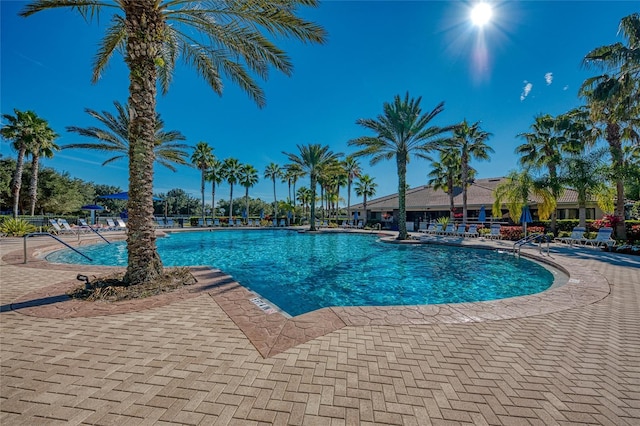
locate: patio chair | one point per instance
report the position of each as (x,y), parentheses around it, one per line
(472,232)
(423,227)
(208,222)
(360,224)
(602,238)
(449,230)
(460,230)
(65,225)
(57,229)
(216,222)
(577,236)
(495,232)
(434,229)
(282,222)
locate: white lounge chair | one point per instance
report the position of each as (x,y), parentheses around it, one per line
(602,238)
(495,232)
(57,229)
(65,225)
(449,230)
(577,236)
(123,225)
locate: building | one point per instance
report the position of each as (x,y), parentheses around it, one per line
(425,204)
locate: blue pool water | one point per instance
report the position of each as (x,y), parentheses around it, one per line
(304,272)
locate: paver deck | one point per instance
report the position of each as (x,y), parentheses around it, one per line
(569,357)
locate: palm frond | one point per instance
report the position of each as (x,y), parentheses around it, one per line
(114,40)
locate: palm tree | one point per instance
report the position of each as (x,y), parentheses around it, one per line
(471,141)
(365,188)
(215,176)
(445,174)
(273,172)
(248,178)
(516,192)
(232,172)
(612,100)
(113,138)
(293,173)
(304,196)
(24,129)
(42,146)
(353,170)
(586,175)
(202,158)
(549,138)
(221,39)
(311,159)
(400,131)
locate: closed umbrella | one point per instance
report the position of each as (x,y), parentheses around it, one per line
(525,218)
(482,216)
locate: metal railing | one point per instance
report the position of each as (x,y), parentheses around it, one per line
(540,238)
(37,234)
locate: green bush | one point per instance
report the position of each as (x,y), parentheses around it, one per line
(16,227)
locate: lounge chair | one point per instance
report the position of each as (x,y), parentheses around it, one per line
(602,238)
(422,227)
(216,222)
(449,230)
(360,224)
(169,223)
(472,232)
(200,223)
(84,225)
(282,222)
(111,225)
(238,222)
(65,225)
(577,236)
(460,230)
(57,229)
(495,232)
(208,222)
(123,225)
(434,229)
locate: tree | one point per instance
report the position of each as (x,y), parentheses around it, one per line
(113,138)
(613,100)
(400,131)
(585,174)
(202,158)
(152,34)
(304,196)
(293,173)
(471,142)
(365,188)
(273,172)
(353,170)
(248,178)
(25,129)
(517,192)
(232,171)
(445,174)
(214,175)
(42,146)
(311,159)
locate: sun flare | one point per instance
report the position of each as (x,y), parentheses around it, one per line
(481,14)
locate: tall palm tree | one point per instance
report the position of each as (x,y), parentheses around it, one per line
(304,196)
(202,158)
(42,146)
(23,129)
(293,173)
(365,187)
(400,131)
(113,138)
(311,159)
(445,174)
(586,175)
(248,178)
(353,170)
(471,142)
(518,190)
(273,172)
(549,139)
(219,39)
(232,172)
(215,176)
(613,100)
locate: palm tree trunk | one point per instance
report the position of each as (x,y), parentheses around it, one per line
(275,201)
(348,199)
(401,162)
(246,201)
(312,207)
(230,201)
(615,148)
(202,193)
(17,180)
(213,199)
(33,187)
(294,201)
(144,26)
(465,177)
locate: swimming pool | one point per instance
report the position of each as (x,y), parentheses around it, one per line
(302,272)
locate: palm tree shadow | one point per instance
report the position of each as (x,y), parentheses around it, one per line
(35,302)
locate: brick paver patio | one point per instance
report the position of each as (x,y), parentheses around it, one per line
(569,356)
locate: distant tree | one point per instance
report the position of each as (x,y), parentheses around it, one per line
(303,195)
(311,159)
(215,175)
(202,158)
(365,188)
(400,131)
(517,192)
(446,174)
(248,179)
(353,171)
(292,174)
(232,171)
(273,172)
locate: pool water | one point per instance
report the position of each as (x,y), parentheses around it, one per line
(302,272)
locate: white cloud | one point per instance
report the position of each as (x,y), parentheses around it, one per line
(548,77)
(525,90)
(565,88)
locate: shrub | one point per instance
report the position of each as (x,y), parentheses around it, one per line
(16,227)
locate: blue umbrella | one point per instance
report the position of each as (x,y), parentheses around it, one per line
(262,214)
(482,216)
(244,213)
(525,218)
(355,217)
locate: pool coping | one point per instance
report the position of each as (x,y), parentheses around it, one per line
(272,333)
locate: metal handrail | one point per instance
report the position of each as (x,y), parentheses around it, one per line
(99,235)
(36,234)
(531,238)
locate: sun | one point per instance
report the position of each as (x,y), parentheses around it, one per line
(481,14)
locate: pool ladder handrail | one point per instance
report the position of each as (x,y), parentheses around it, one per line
(529,239)
(37,234)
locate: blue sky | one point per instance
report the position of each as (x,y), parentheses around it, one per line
(527,61)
